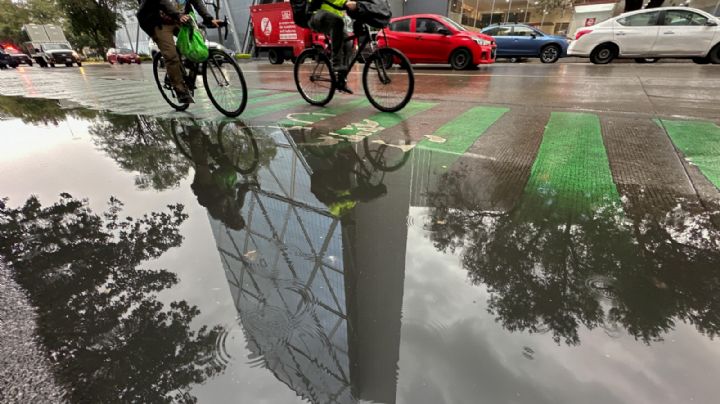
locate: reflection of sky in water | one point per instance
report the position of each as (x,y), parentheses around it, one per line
(443,311)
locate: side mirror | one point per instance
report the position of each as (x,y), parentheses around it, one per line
(444,31)
(711,23)
(533,35)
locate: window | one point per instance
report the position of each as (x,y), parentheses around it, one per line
(524,31)
(428,26)
(640,20)
(401,26)
(683,17)
(499,31)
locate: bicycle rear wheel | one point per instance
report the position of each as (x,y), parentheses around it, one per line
(225,83)
(314,77)
(388,80)
(238,145)
(165,85)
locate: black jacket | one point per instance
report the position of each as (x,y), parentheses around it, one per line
(149,12)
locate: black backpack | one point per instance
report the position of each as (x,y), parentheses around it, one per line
(375,13)
(302,11)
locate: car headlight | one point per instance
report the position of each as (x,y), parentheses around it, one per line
(482,42)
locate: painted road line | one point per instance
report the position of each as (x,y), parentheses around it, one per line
(256,112)
(257,99)
(456,136)
(571,171)
(377,123)
(700,143)
(304,119)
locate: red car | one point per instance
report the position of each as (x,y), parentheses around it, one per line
(121,56)
(432,38)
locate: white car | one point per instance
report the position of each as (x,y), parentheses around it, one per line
(667,32)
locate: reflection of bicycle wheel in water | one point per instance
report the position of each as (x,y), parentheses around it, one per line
(238,144)
(181,137)
(385,158)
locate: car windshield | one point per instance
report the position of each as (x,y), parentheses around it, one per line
(454,24)
(125,51)
(55,46)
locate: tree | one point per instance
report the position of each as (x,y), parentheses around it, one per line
(141,144)
(40,111)
(94,22)
(553,267)
(106,333)
(12,18)
(45,12)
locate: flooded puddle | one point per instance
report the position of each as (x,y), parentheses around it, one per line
(180,260)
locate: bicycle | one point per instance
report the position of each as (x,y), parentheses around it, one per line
(222,78)
(234,145)
(387,68)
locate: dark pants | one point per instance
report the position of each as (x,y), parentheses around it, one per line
(164,37)
(333,26)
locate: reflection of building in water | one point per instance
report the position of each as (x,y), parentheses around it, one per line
(298,292)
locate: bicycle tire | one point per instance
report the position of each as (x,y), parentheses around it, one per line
(400,72)
(179,141)
(167,93)
(379,163)
(317,60)
(216,60)
(244,130)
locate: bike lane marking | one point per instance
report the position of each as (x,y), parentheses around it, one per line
(456,136)
(259,111)
(700,143)
(571,172)
(358,131)
(305,119)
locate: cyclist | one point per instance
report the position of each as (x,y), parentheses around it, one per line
(161,19)
(328,19)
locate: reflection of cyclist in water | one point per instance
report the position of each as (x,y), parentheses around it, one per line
(216,186)
(338,183)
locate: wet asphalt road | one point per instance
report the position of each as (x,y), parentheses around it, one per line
(520,233)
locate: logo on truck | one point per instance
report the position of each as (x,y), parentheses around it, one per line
(266,26)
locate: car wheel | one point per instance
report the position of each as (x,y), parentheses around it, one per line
(714,55)
(79,64)
(603,54)
(30,64)
(275,57)
(550,54)
(646,60)
(701,61)
(68,64)
(52,64)
(461,59)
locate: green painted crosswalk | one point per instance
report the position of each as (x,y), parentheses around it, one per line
(258,99)
(571,171)
(458,135)
(700,143)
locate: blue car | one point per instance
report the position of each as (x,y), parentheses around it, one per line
(523,41)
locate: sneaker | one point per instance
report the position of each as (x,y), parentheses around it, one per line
(184,97)
(343,87)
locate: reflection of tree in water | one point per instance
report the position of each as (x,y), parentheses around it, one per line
(39,111)
(551,267)
(108,336)
(141,144)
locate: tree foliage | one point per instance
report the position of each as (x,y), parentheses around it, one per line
(94,22)
(105,331)
(550,269)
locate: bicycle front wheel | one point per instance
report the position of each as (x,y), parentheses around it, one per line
(162,79)
(225,83)
(314,77)
(388,80)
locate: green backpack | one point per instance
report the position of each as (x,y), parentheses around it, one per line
(191,43)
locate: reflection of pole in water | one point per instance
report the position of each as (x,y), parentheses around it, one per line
(306,305)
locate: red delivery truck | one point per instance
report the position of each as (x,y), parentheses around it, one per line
(275,32)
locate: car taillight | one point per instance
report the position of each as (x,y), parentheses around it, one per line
(581,33)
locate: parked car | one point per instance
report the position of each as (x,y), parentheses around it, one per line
(122,56)
(432,38)
(523,41)
(18,57)
(667,32)
(6,60)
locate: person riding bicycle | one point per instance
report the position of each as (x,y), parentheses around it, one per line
(161,19)
(328,19)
